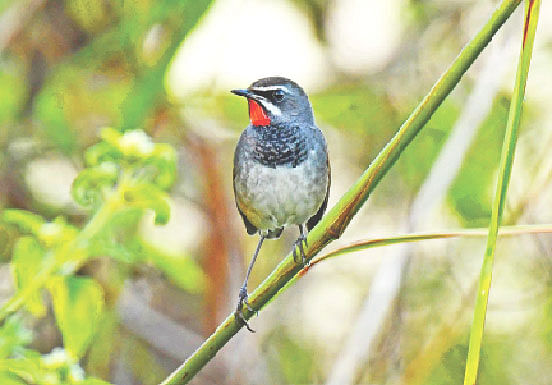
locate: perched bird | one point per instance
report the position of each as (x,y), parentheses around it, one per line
(281,167)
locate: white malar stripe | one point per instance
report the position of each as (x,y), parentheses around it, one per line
(270,107)
(270,88)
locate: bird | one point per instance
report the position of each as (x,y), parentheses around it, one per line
(282,172)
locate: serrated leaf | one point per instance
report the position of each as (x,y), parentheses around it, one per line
(26,263)
(78,303)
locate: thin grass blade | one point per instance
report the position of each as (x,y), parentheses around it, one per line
(507,157)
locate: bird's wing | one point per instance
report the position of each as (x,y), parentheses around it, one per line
(250,228)
(248,225)
(316,217)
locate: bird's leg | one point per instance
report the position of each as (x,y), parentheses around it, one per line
(300,243)
(243,291)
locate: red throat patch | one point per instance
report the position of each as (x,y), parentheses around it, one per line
(257,115)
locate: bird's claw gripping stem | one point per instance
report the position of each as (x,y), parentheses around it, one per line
(239,310)
(300,244)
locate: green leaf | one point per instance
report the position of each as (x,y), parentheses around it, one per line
(50,108)
(26,367)
(56,233)
(88,185)
(102,152)
(112,247)
(164,159)
(181,270)
(148,196)
(25,220)
(26,263)
(7,378)
(78,303)
(114,237)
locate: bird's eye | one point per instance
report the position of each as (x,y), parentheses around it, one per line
(278,95)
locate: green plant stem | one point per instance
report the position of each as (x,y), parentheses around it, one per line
(416,237)
(506,160)
(337,219)
(67,253)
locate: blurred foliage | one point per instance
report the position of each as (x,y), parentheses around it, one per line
(20,365)
(12,92)
(417,160)
(359,112)
(78,66)
(115,75)
(126,174)
(495,361)
(291,361)
(471,194)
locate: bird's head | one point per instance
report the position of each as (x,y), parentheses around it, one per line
(276,100)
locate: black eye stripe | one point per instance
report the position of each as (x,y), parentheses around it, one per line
(271,95)
(266,94)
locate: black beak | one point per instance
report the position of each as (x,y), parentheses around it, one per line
(246,93)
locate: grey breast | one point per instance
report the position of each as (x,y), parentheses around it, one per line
(280,174)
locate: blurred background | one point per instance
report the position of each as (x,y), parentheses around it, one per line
(399,314)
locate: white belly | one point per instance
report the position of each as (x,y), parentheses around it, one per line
(275,197)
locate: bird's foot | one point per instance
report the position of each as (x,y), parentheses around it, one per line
(300,244)
(239,310)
